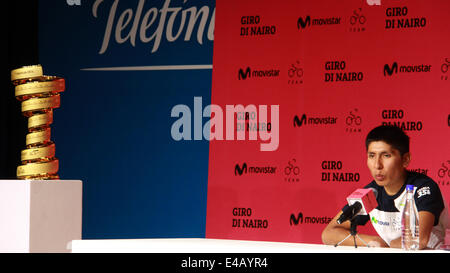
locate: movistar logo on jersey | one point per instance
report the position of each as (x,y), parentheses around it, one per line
(378,222)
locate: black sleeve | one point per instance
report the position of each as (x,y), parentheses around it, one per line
(428,197)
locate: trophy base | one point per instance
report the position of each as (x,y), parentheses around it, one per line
(39,216)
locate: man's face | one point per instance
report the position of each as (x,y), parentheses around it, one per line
(386,164)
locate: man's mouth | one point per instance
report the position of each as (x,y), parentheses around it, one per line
(379,177)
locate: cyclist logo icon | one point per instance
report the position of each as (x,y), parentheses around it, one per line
(357,17)
(444,171)
(291,172)
(291,168)
(295,73)
(357,20)
(353,119)
(353,122)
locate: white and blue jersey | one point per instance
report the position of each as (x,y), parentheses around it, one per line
(386,218)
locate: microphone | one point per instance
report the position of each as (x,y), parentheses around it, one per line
(360,202)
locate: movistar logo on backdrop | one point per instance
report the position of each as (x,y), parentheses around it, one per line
(298,122)
(307,21)
(389,70)
(395,68)
(300,219)
(149,25)
(243,74)
(238,170)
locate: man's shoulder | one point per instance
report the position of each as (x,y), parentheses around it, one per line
(425,186)
(419,180)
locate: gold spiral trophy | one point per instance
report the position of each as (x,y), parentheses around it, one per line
(39,95)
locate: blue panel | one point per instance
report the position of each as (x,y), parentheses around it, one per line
(113,130)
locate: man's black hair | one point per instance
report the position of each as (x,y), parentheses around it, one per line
(392,135)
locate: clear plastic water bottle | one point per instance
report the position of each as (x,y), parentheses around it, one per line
(410,222)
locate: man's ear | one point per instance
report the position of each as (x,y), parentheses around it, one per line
(406,158)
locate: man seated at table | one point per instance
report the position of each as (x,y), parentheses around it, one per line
(388,157)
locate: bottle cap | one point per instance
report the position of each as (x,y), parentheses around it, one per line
(409,187)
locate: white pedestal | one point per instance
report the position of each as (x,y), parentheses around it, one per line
(39,215)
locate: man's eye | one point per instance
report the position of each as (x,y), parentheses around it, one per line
(387,155)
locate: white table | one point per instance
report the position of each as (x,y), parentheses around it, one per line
(203,245)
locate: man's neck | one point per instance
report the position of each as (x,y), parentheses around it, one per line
(393,188)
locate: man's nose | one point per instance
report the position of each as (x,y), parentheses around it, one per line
(378,163)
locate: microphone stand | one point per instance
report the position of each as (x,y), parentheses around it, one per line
(353,233)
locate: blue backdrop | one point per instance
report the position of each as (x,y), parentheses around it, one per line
(113,130)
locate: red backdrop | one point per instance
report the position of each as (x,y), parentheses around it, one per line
(336,69)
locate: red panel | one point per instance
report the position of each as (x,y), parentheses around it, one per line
(289,194)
